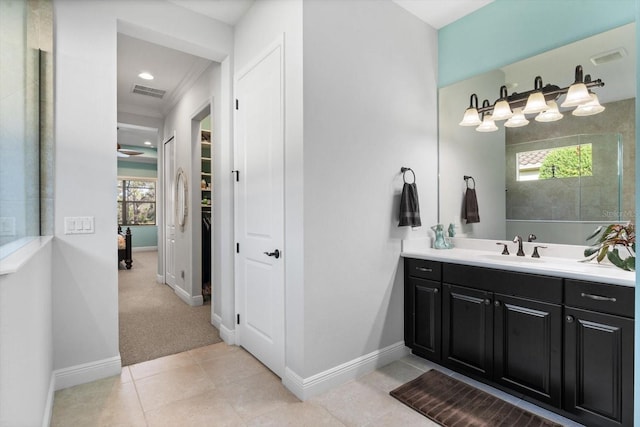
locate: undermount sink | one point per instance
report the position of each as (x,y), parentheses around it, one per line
(511,258)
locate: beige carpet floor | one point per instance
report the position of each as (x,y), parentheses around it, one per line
(154,321)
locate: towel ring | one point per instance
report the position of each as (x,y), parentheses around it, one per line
(467,178)
(404,174)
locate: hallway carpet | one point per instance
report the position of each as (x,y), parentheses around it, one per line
(154,321)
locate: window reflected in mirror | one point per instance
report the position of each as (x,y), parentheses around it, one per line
(572,161)
(571,178)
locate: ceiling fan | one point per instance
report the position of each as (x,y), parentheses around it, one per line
(125,152)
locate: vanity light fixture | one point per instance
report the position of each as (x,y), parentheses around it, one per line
(578,92)
(502,109)
(488,124)
(517,120)
(551,114)
(471,116)
(536,102)
(590,108)
(539,100)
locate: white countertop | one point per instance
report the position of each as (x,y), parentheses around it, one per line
(477,253)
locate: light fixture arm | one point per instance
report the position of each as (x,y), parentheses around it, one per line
(503,93)
(579,73)
(473,98)
(486,107)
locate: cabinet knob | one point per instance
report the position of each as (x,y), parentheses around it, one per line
(569,319)
(435,290)
(487,301)
(496,303)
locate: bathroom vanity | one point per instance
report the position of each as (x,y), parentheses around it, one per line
(553,331)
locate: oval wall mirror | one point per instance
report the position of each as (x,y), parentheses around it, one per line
(181,198)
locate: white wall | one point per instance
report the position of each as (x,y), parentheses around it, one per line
(463,151)
(85,301)
(369,108)
(26,347)
(263,23)
(187,153)
(85,294)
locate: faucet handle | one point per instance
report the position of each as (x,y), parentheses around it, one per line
(505,251)
(535,253)
(531,238)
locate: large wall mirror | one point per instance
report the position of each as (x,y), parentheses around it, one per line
(557,180)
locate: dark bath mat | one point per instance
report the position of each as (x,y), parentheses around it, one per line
(450,402)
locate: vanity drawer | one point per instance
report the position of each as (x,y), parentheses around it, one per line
(600,297)
(506,282)
(423,268)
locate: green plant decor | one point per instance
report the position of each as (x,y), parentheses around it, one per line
(608,242)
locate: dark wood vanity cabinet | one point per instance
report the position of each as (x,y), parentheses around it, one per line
(513,341)
(598,353)
(563,343)
(467,330)
(528,347)
(423,302)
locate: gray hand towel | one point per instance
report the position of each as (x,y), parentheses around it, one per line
(471,212)
(409,209)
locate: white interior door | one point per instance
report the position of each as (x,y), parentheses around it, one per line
(259,212)
(169,172)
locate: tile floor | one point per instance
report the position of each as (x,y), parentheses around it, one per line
(222,385)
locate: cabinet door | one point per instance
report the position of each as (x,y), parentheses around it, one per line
(598,368)
(467,340)
(425,325)
(528,347)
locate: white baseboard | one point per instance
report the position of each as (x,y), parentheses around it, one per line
(227,335)
(216,320)
(184,296)
(48,406)
(160,279)
(305,388)
(144,248)
(87,372)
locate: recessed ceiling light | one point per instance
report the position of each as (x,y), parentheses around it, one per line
(146,76)
(147,143)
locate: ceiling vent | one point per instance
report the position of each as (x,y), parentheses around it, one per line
(612,55)
(148,91)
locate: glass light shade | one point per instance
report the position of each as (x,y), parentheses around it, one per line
(535,103)
(471,118)
(502,111)
(517,120)
(551,115)
(590,108)
(578,94)
(488,125)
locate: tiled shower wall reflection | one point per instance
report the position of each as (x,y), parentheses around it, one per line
(583,198)
(26,119)
(595,200)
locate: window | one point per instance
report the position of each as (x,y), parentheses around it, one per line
(563,162)
(136,201)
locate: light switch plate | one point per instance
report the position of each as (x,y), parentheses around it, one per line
(78,225)
(7,226)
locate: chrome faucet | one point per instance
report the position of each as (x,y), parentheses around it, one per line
(518,240)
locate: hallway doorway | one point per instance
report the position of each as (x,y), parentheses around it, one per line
(153,321)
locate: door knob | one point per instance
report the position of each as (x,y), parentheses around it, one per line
(275,254)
